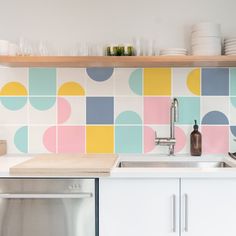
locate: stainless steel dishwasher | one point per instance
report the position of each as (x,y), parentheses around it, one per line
(48,207)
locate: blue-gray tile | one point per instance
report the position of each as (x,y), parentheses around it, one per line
(99,110)
(215,81)
(99,74)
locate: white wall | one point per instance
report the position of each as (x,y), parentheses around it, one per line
(65,22)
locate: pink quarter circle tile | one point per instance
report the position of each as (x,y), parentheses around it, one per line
(64,110)
(180,139)
(49,139)
(157,110)
(71,139)
(215,139)
(149,139)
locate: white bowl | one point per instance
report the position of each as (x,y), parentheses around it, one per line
(206,26)
(206,40)
(230,40)
(206,52)
(4,44)
(205,33)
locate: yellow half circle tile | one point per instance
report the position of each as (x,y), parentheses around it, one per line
(71,89)
(193,81)
(13,89)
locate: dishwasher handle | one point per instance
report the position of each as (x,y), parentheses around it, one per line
(45,195)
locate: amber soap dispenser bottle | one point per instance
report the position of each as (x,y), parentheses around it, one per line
(196,141)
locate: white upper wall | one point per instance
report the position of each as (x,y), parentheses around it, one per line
(65,22)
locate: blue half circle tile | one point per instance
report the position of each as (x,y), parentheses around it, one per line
(233,130)
(14,103)
(100,74)
(136,82)
(21,139)
(233,101)
(215,118)
(42,103)
(128,117)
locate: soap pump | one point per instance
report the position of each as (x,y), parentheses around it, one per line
(196,141)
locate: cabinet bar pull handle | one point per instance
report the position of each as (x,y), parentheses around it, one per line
(174,213)
(186,212)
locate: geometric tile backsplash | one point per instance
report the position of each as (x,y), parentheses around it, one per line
(106,110)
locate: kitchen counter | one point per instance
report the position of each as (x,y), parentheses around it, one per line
(8,161)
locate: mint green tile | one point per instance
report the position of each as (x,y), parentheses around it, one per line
(128,139)
(136,82)
(21,139)
(128,117)
(14,103)
(42,103)
(189,110)
(42,81)
(233,81)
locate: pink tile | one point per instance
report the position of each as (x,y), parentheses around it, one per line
(149,139)
(71,139)
(49,139)
(181,139)
(215,139)
(64,110)
(157,110)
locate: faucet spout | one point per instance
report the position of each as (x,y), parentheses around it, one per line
(170,141)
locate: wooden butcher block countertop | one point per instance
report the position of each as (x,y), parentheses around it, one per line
(66,165)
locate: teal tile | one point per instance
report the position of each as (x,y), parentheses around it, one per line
(14,103)
(42,81)
(128,139)
(189,110)
(42,103)
(21,139)
(233,81)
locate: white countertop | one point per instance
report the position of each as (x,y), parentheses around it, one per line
(10,160)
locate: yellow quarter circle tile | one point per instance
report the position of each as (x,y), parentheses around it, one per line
(157,81)
(193,81)
(100,139)
(14,89)
(71,89)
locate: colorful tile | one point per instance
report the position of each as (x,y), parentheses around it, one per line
(215,81)
(100,139)
(13,111)
(71,139)
(128,81)
(232,138)
(189,110)
(42,81)
(128,110)
(71,110)
(215,110)
(99,81)
(99,110)
(128,139)
(157,81)
(232,107)
(232,73)
(14,81)
(215,139)
(71,81)
(157,110)
(42,110)
(186,81)
(42,139)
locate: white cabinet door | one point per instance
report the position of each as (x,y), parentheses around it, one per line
(211,207)
(139,207)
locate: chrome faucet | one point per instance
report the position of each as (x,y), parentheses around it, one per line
(170,141)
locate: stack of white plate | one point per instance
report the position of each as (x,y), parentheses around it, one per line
(206,39)
(230,46)
(173,52)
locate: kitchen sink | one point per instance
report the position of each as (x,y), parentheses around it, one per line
(172,164)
